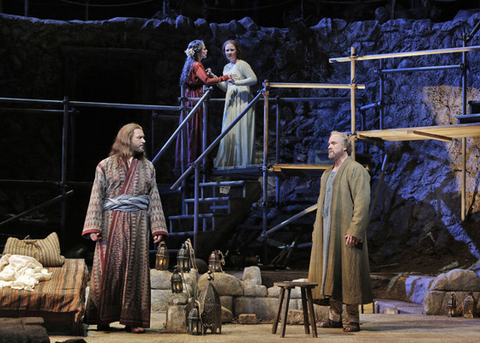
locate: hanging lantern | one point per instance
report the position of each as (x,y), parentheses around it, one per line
(183,259)
(469,306)
(162,259)
(215,261)
(177,282)
(452,305)
(194,323)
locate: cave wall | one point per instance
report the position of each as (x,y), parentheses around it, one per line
(140,60)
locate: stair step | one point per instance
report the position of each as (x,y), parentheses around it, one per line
(223,184)
(468,118)
(190,216)
(214,199)
(387,306)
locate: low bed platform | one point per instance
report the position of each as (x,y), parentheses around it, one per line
(59,301)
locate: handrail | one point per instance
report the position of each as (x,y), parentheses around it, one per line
(215,142)
(313,85)
(403,54)
(289,220)
(182,124)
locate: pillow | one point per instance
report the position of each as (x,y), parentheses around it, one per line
(46,251)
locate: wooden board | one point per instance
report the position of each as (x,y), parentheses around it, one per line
(444,133)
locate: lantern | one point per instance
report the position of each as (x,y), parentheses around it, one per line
(215,261)
(194,323)
(162,257)
(469,306)
(183,259)
(452,305)
(177,282)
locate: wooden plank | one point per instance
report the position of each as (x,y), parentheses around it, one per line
(444,132)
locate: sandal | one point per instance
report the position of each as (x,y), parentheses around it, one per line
(329,324)
(351,327)
(136,329)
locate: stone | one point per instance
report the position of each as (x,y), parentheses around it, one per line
(160,279)
(224,284)
(227,302)
(252,275)
(160,299)
(435,302)
(227,315)
(177,318)
(178,299)
(23,330)
(263,308)
(457,280)
(247,319)
(254,290)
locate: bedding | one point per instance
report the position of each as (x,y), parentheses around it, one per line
(60,300)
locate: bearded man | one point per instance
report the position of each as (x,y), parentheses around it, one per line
(339,257)
(124,209)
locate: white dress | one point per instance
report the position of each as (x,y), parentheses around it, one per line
(237,147)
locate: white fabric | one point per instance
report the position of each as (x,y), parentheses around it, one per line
(21,272)
(237,147)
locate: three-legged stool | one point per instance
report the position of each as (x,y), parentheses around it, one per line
(308,314)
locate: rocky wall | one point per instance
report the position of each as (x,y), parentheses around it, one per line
(417,211)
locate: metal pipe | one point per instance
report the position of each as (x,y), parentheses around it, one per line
(402,70)
(216,141)
(196,205)
(47,203)
(405,54)
(369,106)
(313,85)
(352,98)
(464,178)
(277,153)
(291,219)
(381,97)
(180,127)
(266,93)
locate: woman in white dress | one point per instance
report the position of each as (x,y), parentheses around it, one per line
(237,147)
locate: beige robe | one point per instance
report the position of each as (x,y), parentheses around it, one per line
(348,272)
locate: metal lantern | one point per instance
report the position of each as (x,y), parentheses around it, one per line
(215,261)
(469,306)
(194,323)
(177,282)
(183,259)
(452,305)
(162,259)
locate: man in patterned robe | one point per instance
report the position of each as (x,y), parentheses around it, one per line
(124,209)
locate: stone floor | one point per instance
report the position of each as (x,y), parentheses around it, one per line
(376,328)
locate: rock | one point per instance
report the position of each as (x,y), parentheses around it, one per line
(178,299)
(159,299)
(177,318)
(160,279)
(23,330)
(224,284)
(252,275)
(457,280)
(263,308)
(254,290)
(248,319)
(227,302)
(227,315)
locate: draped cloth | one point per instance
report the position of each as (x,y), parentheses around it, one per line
(120,280)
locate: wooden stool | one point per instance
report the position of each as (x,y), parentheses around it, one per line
(306,289)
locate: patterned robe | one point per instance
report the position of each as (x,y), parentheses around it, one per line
(120,281)
(197,77)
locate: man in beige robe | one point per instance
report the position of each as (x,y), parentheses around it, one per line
(339,257)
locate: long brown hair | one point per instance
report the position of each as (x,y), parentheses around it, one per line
(237,46)
(122,146)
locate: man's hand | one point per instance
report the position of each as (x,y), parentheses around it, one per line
(157,238)
(95,236)
(350,240)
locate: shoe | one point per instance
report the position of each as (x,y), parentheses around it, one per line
(136,329)
(103,327)
(351,327)
(329,324)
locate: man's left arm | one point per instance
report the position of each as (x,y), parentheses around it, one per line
(359,184)
(155,211)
